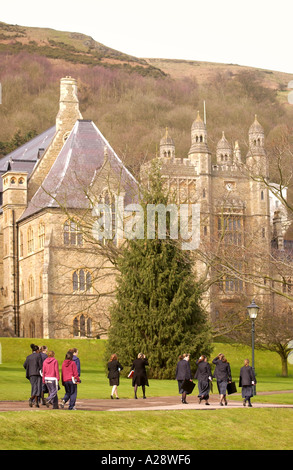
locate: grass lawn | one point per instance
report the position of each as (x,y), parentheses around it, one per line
(142,430)
(247,429)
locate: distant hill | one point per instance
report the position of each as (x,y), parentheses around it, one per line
(132,100)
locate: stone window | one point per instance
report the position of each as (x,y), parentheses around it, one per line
(21,244)
(31,287)
(32,329)
(41,284)
(82,326)
(108,216)
(81,280)
(41,235)
(30,240)
(230,229)
(71,233)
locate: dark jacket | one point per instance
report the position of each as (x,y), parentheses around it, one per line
(203,371)
(246,376)
(222,371)
(183,371)
(139,376)
(33,365)
(113,367)
(43,356)
(77,362)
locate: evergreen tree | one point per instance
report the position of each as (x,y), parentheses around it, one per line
(157,309)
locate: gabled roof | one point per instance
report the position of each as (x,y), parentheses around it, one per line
(75,169)
(24,158)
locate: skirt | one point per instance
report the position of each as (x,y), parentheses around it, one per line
(114,381)
(247,391)
(203,389)
(36,385)
(180,382)
(222,387)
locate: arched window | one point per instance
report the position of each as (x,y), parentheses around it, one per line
(30,240)
(41,235)
(41,284)
(82,326)
(21,244)
(81,280)
(71,233)
(21,292)
(32,329)
(75,280)
(31,287)
(107,217)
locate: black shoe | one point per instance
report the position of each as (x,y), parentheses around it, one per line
(144,397)
(30,402)
(111,397)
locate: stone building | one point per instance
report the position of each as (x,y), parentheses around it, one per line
(53,283)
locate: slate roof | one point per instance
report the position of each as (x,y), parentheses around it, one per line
(24,158)
(75,169)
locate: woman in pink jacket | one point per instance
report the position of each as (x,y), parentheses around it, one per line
(70,378)
(51,378)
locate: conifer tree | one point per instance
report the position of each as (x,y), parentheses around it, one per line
(157,309)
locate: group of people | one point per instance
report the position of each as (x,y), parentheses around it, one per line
(222,373)
(42,370)
(137,373)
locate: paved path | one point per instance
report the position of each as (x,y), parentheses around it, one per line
(152,403)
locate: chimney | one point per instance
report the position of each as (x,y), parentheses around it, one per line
(68,105)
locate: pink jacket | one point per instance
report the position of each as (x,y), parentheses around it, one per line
(69,370)
(50,368)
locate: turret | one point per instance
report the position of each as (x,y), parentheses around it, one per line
(167,146)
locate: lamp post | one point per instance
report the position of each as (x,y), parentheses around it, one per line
(252,310)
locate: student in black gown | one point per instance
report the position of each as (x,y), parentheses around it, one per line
(204,377)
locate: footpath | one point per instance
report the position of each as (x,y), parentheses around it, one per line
(151,403)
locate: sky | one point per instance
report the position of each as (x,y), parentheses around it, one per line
(255,33)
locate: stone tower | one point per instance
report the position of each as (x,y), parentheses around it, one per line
(167,146)
(67,116)
(14,202)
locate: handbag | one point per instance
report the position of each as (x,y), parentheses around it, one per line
(130,374)
(231,388)
(188,386)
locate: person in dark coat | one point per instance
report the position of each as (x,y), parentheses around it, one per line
(183,372)
(33,366)
(44,355)
(139,377)
(223,375)
(114,368)
(204,377)
(246,381)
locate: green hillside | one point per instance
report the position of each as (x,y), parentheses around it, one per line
(132,100)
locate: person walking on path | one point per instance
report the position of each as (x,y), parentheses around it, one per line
(204,377)
(247,381)
(139,377)
(44,355)
(223,375)
(33,367)
(76,359)
(70,379)
(114,368)
(183,372)
(51,378)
